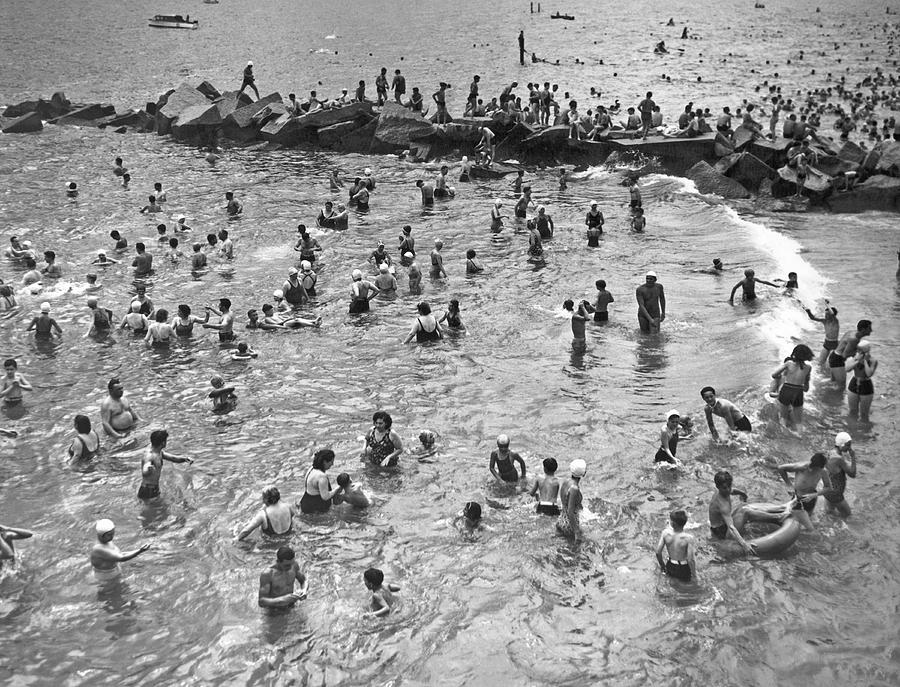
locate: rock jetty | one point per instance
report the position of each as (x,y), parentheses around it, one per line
(842,177)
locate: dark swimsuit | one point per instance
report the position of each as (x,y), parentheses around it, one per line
(547,508)
(380,449)
(720,531)
(791,395)
(293,294)
(423,334)
(835,360)
(507,470)
(267,526)
(839,484)
(678,570)
(184,329)
(453,321)
(87,454)
(311,289)
(861,386)
(808,506)
(314,503)
(661,456)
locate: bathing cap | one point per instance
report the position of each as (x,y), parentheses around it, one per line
(105,526)
(92,300)
(673,413)
(45,307)
(842,439)
(278,293)
(540,208)
(383,267)
(305,265)
(578,467)
(498,202)
(367,171)
(502,440)
(593,202)
(651,274)
(180,218)
(864,346)
(292,271)
(249,64)
(356,274)
(135,306)
(409,255)
(101,252)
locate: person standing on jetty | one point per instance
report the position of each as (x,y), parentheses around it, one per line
(249,80)
(522,48)
(651,300)
(646,109)
(440,100)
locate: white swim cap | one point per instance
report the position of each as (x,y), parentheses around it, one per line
(465,159)
(180,218)
(249,64)
(864,346)
(278,293)
(502,440)
(292,271)
(356,274)
(672,413)
(578,468)
(45,307)
(367,171)
(540,208)
(651,274)
(593,202)
(498,202)
(26,244)
(105,526)
(842,439)
(101,252)
(409,255)
(305,265)
(135,306)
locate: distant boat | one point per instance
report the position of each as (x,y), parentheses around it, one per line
(166,21)
(557,15)
(211,2)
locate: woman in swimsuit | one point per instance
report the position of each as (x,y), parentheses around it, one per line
(383,445)
(275,519)
(570,497)
(87,443)
(594,221)
(318,493)
(473,266)
(496,217)
(861,391)
(668,440)
(535,245)
(426,327)
(308,277)
(135,320)
(452,318)
(184,323)
(160,333)
(7,298)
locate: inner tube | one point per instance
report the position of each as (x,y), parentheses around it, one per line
(775,542)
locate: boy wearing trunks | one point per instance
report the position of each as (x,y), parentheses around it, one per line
(725,409)
(651,300)
(382,594)
(796,381)
(546,489)
(721,511)
(680,548)
(13,384)
(832,330)
(748,286)
(502,462)
(152,463)
(806,479)
(276,585)
(601,305)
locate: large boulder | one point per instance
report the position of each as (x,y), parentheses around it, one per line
(89,114)
(815,184)
(239,125)
(741,137)
(57,106)
(457,132)
(878,192)
(179,101)
(773,153)
(284,131)
(746,169)
(889,162)
(20,109)
(268,113)
(132,119)
(851,152)
(210,91)
(398,127)
(335,115)
(331,136)
(195,123)
(26,124)
(509,145)
(708,180)
(355,141)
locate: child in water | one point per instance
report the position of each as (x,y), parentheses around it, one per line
(382,594)
(352,492)
(243,352)
(223,397)
(680,548)
(546,489)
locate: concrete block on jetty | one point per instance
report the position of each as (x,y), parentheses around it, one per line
(678,153)
(889,160)
(708,180)
(56,106)
(323,118)
(210,91)
(398,128)
(175,103)
(878,192)
(196,123)
(746,169)
(87,115)
(24,124)
(285,131)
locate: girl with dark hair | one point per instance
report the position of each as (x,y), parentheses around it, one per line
(318,492)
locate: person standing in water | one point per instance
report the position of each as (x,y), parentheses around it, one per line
(579,318)
(680,547)
(274,519)
(106,556)
(116,413)
(502,462)
(846,349)
(725,409)
(546,489)
(748,285)
(276,584)
(839,469)
(651,300)
(861,391)
(796,381)
(152,464)
(383,444)
(569,522)
(805,486)
(721,511)
(832,330)
(668,439)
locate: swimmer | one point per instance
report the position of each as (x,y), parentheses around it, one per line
(13,383)
(159,193)
(437,261)
(594,221)
(635,195)
(383,445)
(668,439)
(832,326)
(544,223)
(473,266)
(846,349)
(804,487)
(407,243)
(502,463)
(7,536)
(7,298)
(72,189)
(382,594)
(426,327)
(465,172)
(147,308)
(44,326)
(721,511)
(274,519)
(496,217)
(335,182)
(121,242)
(570,496)
(180,224)
(86,443)
(106,556)
(233,206)
(226,245)
(341,217)
(470,516)
(563,179)
(198,258)
(143,261)
(126,179)
(452,317)
(160,333)
(271,320)
(796,381)
(680,548)
(101,318)
(602,301)
(276,585)
(51,269)
(638,221)
(546,489)
(119,169)
(152,464)
(135,320)
(839,470)
(243,352)
(579,317)
(116,413)
(427,438)
(748,286)
(861,391)
(361,292)
(32,276)
(352,493)
(380,256)
(173,253)
(426,187)
(732,415)
(385,282)
(102,260)
(414,274)
(225,326)
(651,300)
(151,207)
(441,190)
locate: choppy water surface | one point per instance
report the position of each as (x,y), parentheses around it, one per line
(516,604)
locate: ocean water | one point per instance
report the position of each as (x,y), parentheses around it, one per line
(516,604)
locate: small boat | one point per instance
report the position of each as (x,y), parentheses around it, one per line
(176,21)
(211,2)
(567,17)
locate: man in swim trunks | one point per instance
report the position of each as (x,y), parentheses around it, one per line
(839,470)
(806,480)
(152,463)
(276,585)
(748,286)
(832,330)
(579,318)
(143,261)
(845,350)
(725,409)
(721,511)
(502,462)
(680,547)
(225,326)
(116,413)
(106,556)
(651,300)
(546,489)
(646,109)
